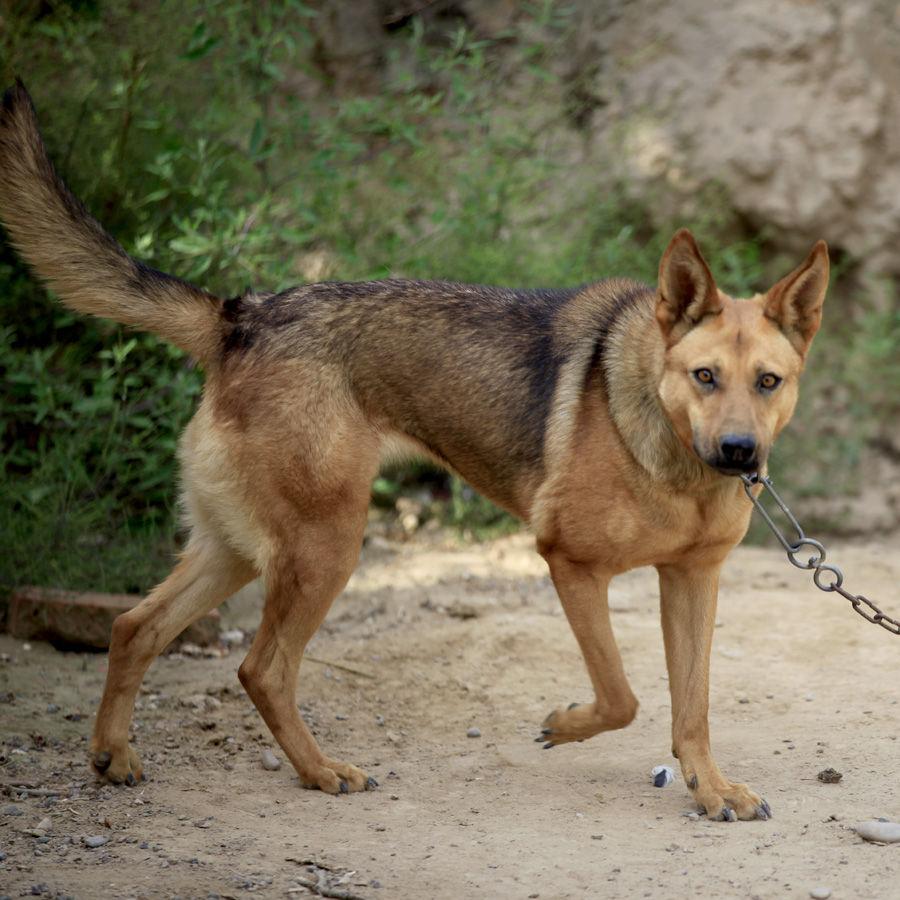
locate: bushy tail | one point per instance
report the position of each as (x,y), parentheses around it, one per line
(70,250)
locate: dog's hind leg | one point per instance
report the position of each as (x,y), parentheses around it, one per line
(312,558)
(208,573)
(688,595)
(583,593)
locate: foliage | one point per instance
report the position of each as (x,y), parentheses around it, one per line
(203,138)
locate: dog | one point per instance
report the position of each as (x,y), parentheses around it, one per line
(612,418)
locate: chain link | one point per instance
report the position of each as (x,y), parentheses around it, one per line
(827,577)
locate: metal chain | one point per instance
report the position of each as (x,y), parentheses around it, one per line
(827,577)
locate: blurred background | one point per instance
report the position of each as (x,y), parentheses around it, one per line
(241,144)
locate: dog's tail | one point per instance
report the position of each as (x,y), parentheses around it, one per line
(83,264)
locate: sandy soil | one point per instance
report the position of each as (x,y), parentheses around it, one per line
(445,638)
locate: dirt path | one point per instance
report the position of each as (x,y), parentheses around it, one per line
(455,638)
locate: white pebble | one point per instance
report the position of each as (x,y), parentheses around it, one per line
(270,762)
(234,637)
(473,732)
(663,776)
(820,893)
(882,832)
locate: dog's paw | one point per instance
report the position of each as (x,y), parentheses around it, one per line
(578,722)
(117,765)
(735,802)
(335,777)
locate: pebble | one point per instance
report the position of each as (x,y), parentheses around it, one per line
(45,824)
(270,762)
(882,832)
(94,841)
(663,776)
(473,732)
(820,893)
(52,708)
(11,809)
(829,776)
(232,638)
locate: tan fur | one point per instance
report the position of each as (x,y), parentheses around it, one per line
(587,413)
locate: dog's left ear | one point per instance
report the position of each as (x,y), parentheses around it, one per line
(687,290)
(795,302)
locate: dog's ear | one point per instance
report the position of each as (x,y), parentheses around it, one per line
(687,291)
(795,302)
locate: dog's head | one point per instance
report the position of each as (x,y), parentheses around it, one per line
(731,369)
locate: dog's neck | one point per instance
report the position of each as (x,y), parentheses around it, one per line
(633,369)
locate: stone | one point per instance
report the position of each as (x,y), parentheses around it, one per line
(473,732)
(95,841)
(775,78)
(83,619)
(270,762)
(879,832)
(820,893)
(829,776)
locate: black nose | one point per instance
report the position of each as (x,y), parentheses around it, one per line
(738,451)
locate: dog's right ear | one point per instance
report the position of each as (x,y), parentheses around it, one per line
(687,291)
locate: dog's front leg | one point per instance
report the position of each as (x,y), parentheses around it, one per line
(583,593)
(688,597)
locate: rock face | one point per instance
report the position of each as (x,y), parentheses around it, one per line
(789,104)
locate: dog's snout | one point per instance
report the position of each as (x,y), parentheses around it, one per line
(738,451)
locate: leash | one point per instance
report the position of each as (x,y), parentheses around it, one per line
(827,577)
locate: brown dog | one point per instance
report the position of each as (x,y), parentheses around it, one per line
(613,418)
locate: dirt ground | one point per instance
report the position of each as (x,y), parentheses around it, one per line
(442,638)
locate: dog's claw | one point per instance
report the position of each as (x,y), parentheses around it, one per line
(727,815)
(764,811)
(371,783)
(572,705)
(549,745)
(345,788)
(102,760)
(539,740)
(546,731)
(130,780)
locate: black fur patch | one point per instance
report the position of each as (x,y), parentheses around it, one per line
(624,300)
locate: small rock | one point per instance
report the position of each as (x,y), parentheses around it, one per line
(880,832)
(270,762)
(379,721)
(94,841)
(473,732)
(663,776)
(820,893)
(11,809)
(232,638)
(829,776)
(52,708)
(44,825)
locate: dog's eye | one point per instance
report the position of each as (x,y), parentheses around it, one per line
(769,381)
(704,376)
